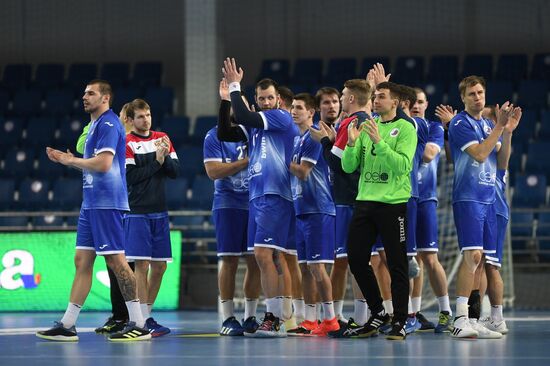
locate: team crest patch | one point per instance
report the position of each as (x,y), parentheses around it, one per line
(487,129)
(394,132)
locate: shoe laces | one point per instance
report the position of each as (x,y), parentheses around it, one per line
(267,324)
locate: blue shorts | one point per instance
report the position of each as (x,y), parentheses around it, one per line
(269,222)
(426,227)
(412,211)
(100,230)
(343,218)
(231,231)
(147,237)
(496,259)
(315,238)
(377,247)
(475,226)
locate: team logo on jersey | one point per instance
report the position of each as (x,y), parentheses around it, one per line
(487,178)
(257,167)
(88,179)
(109,124)
(376,177)
(394,132)
(487,129)
(298,190)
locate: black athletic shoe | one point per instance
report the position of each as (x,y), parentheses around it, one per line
(347,330)
(397,332)
(111,326)
(372,325)
(59,333)
(425,324)
(131,333)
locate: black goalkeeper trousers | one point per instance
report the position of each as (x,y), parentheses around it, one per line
(369,220)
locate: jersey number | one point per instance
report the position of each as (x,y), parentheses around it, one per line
(242,152)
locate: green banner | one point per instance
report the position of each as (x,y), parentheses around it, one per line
(37,271)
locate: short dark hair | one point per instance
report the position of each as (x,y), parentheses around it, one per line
(286,95)
(134,105)
(470,81)
(360,89)
(266,83)
(420,90)
(308,100)
(325,90)
(407,94)
(392,87)
(104,89)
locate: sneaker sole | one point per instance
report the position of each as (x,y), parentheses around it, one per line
(264,334)
(160,334)
(395,338)
(146,337)
(58,338)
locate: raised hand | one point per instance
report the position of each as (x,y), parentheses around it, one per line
(379,74)
(317,134)
(371,128)
(445,113)
(58,156)
(370,79)
(231,73)
(353,131)
(329,130)
(224,90)
(503,113)
(513,120)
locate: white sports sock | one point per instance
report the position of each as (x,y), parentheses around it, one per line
(287,308)
(416,301)
(145,311)
(228,309)
(339,308)
(388,306)
(311,312)
(319,308)
(444,304)
(299,310)
(361,311)
(409,306)
(250,306)
(274,305)
(71,314)
(328,310)
(461,306)
(150,308)
(134,312)
(496,313)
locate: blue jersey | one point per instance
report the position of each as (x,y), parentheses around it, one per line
(501,206)
(314,195)
(270,154)
(232,191)
(427,172)
(422,133)
(473,181)
(106,190)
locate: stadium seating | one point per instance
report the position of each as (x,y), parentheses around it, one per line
(521,226)
(541,67)
(17,76)
(79,75)
(339,70)
(59,103)
(49,76)
(177,128)
(176,193)
(18,163)
(40,132)
(481,65)
(11,129)
(161,100)
(67,194)
(409,70)
(7,191)
(147,74)
(529,191)
(33,194)
(511,67)
(4,101)
(203,124)
(123,96)
(116,73)
(443,69)
(537,163)
(27,103)
(544,131)
(16,222)
(202,193)
(191,161)
(533,94)
(499,91)
(44,222)
(308,71)
(368,63)
(276,69)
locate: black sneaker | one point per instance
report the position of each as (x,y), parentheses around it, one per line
(373,325)
(59,333)
(111,326)
(425,324)
(347,330)
(131,333)
(397,332)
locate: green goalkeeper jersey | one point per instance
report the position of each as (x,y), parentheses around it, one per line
(386,166)
(82,139)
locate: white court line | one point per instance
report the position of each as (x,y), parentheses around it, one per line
(23,331)
(274,356)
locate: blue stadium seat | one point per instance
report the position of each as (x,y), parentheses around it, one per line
(47,169)
(123,96)
(79,75)
(339,70)
(33,194)
(276,69)
(544,131)
(67,194)
(147,74)
(27,103)
(526,128)
(203,124)
(529,191)
(176,193)
(499,92)
(17,222)
(515,165)
(11,129)
(541,67)
(521,228)
(192,226)
(18,163)
(512,67)
(7,190)
(409,70)
(533,94)
(17,76)
(453,97)
(435,90)
(46,221)
(177,128)
(71,221)
(69,131)
(480,65)
(202,193)
(368,63)
(49,76)
(308,71)
(4,101)
(40,131)
(191,161)
(536,163)
(443,69)
(116,73)
(59,103)
(161,101)
(543,236)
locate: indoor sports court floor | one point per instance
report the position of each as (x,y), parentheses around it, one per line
(193,341)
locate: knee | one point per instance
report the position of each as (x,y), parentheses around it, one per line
(472,259)
(317,270)
(82,263)
(230,262)
(429,260)
(158,268)
(263,256)
(141,266)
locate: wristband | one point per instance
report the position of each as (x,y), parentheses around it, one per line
(234,86)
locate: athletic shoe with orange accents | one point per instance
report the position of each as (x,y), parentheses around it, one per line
(327,325)
(303,329)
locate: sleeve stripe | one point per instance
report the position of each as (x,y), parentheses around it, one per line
(266,125)
(337,151)
(173,155)
(245,132)
(468,144)
(213,159)
(130,161)
(312,161)
(112,151)
(434,144)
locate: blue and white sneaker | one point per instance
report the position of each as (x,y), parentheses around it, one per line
(250,325)
(231,327)
(412,325)
(155,328)
(445,323)
(59,333)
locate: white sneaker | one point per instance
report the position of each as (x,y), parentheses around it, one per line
(494,325)
(463,329)
(483,332)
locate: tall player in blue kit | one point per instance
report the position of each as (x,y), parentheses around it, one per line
(100,230)
(474,143)
(271,137)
